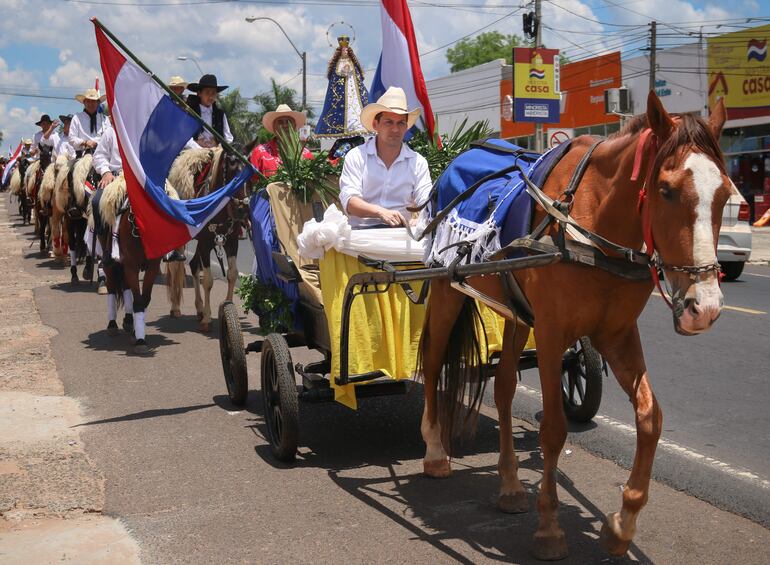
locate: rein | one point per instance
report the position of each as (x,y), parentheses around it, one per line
(648,142)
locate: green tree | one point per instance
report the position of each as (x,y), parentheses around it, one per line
(244,124)
(485,47)
(1,138)
(271,99)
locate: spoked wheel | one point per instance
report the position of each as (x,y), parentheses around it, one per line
(581,381)
(233,354)
(279,390)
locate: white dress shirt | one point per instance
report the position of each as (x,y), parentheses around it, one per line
(207,113)
(80,129)
(406,183)
(63,147)
(107,155)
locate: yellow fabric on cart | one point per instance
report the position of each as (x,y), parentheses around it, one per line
(384,328)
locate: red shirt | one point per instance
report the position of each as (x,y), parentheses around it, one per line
(266,159)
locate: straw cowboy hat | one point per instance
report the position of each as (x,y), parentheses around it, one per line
(206,81)
(90,94)
(177,81)
(283,110)
(27,142)
(394,100)
(45,118)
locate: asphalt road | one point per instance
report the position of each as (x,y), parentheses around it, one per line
(193,479)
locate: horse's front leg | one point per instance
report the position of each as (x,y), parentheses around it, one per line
(443,309)
(549,542)
(624,354)
(208,284)
(513,497)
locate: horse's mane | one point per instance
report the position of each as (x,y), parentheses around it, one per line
(185,168)
(690,131)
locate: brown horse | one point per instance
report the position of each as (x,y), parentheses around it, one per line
(34,182)
(681,211)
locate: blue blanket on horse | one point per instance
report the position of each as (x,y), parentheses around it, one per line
(500,210)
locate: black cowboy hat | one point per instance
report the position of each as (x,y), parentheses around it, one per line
(63,118)
(44,118)
(206,81)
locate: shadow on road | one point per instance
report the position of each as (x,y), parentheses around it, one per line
(186,323)
(144,414)
(124,343)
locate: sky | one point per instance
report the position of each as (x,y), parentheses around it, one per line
(48,52)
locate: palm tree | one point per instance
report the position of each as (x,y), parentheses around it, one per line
(244,124)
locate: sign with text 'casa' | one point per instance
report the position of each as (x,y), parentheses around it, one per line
(535,85)
(739,72)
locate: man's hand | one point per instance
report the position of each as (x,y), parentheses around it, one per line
(107,178)
(91,144)
(390,217)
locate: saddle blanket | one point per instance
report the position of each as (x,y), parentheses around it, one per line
(500,209)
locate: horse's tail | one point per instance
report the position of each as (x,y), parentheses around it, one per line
(462,383)
(175,275)
(118,281)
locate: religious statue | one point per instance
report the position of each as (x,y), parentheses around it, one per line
(346,96)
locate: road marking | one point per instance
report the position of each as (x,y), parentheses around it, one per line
(734,308)
(673,447)
(757,275)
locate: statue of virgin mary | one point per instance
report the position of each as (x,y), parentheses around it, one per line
(346,96)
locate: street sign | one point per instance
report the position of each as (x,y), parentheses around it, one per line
(555,136)
(535,85)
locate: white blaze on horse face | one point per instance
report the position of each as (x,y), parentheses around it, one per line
(708,297)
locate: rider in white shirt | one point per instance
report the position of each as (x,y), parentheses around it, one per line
(88,126)
(107,161)
(204,103)
(46,136)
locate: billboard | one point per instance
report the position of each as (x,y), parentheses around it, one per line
(739,72)
(535,85)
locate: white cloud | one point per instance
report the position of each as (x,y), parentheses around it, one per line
(75,75)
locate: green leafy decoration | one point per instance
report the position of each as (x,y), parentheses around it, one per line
(268,302)
(305,177)
(452,144)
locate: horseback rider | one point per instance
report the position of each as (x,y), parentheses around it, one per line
(384,176)
(63,145)
(46,136)
(178,85)
(88,126)
(203,101)
(26,149)
(266,157)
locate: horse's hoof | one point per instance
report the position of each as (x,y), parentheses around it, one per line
(515,503)
(204,326)
(610,541)
(128,323)
(176,313)
(437,469)
(112,328)
(140,347)
(551,547)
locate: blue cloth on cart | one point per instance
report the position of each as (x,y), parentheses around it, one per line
(500,210)
(265,241)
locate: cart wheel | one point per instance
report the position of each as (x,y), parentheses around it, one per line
(279,390)
(232,353)
(581,381)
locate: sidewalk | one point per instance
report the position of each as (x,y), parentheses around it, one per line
(51,494)
(760,245)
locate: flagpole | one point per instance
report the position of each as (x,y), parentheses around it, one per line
(174,96)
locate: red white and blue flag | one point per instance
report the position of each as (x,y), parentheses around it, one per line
(151,130)
(9,165)
(400,61)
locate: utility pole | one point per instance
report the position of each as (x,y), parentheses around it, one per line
(538,43)
(653,49)
(304,81)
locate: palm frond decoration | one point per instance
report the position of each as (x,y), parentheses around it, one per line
(452,144)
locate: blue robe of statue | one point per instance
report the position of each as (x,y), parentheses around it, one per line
(346,96)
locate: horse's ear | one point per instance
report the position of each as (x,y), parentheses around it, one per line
(717,118)
(660,122)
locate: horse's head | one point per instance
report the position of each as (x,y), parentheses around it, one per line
(231,167)
(46,154)
(686,190)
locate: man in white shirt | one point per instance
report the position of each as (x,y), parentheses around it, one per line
(204,103)
(62,145)
(88,126)
(107,161)
(384,176)
(47,134)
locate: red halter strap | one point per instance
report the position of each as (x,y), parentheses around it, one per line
(649,141)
